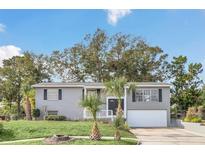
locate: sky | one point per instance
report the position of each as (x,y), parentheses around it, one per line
(177,32)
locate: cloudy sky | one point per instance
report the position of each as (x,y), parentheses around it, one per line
(42,31)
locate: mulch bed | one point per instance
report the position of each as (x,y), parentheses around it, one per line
(57,139)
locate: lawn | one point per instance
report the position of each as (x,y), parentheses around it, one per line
(16,130)
(81,142)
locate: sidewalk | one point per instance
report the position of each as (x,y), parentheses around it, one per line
(83,137)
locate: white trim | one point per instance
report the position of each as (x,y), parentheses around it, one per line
(150,86)
(125,102)
(114,97)
(57,86)
(94,87)
(101,86)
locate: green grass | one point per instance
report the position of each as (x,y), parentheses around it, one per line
(81,142)
(16,130)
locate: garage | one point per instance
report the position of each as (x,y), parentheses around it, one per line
(147,118)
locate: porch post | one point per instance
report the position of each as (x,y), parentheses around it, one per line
(85,92)
(125,102)
(84,110)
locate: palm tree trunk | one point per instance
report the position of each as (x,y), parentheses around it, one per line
(117,135)
(119,109)
(95,133)
(28,109)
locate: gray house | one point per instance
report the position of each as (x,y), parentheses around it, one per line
(146,106)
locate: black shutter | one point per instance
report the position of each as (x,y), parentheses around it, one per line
(133,96)
(45,94)
(160,95)
(59,94)
(83,94)
(98,92)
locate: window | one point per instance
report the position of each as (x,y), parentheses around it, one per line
(52,112)
(59,94)
(154,95)
(45,94)
(113,104)
(148,95)
(52,94)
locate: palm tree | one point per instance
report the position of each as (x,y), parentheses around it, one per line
(118,124)
(26,91)
(93,103)
(116,87)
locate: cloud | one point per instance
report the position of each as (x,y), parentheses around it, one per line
(2,27)
(8,51)
(114,15)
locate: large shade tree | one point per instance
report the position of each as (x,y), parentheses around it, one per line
(100,57)
(186,83)
(17,71)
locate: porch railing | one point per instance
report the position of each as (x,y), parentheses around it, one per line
(102,114)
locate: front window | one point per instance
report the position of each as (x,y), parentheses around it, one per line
(52,94)
(155,95)
(147,95)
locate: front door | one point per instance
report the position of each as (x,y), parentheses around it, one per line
(113,104)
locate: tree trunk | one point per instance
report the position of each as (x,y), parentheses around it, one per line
(119,109)
(95,133)
(28,109)
(19,107)
(117,135)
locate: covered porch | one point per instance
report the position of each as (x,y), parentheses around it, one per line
(110,103)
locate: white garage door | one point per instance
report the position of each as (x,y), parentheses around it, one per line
(147,118)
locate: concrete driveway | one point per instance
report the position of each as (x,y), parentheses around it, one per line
(167,136)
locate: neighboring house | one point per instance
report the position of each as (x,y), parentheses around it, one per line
(146,106)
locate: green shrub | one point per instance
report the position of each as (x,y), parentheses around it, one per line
(119,122)
(1,128)
(126,127)
(174,111)
(55,117)
(36,113)
(14,117)
(194,119)
(187,119)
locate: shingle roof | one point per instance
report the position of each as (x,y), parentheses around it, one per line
(93,84)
